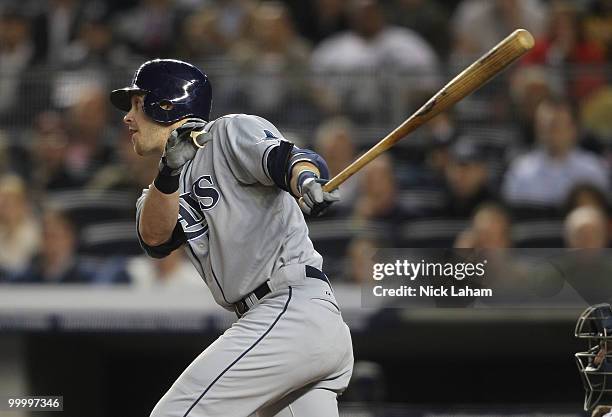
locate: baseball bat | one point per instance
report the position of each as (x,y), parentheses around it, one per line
(469,80)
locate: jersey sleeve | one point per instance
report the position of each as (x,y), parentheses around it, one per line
(161,251)
(246,147)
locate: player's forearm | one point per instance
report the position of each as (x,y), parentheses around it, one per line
(158,217)
(297,170)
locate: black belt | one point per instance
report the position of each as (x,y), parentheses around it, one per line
(264,289)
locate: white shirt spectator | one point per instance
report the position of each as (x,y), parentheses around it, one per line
(18,248)
(145,274)
(478,24)
(537,178)
(393,47)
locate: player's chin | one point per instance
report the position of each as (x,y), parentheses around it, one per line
(140,149)
(146,149)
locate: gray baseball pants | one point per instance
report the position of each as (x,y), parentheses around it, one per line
(290,355)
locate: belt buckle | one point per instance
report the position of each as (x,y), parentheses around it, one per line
(241,308)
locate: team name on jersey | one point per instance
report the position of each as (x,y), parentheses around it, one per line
(202,197)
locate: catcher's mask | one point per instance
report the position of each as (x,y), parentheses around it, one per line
(595,365)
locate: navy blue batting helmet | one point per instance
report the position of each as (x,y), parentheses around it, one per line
(173,90)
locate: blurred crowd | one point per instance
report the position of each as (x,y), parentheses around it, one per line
(524,162)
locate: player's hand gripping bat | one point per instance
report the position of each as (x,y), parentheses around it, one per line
(472,78)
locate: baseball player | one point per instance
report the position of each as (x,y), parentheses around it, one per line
(595,365)
(226,191)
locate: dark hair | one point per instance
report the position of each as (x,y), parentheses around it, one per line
(495,206)
(600,197)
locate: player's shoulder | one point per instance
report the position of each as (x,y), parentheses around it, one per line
(239,119)
(236,126)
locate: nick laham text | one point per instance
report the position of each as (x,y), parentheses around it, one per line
(431,291)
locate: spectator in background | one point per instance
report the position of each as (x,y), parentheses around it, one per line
(378,204)
(173,271)
(360,260)
(233,16)
(529,85)
(489,237)
(201,36)
(489,229)
(439,135)
(598,24)
(55,27)
(89,137)
(334,142)
(545,176)
(564,47)
(428,18)
(16,56)
(212,30)
(130,172)
(587,195)
(19,230)
(149,28)
(586,228)
(370,46)
(586,268)
(48,155)
(477,25)
(320,19)
(516,281)
(57,260)
(467,178)
(94,47)
(273,59)
(595,119)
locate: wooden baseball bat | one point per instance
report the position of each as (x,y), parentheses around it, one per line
(472,78)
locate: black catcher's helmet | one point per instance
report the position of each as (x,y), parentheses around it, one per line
(173,90)
(595,365)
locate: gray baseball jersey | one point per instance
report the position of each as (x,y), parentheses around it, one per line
(240,228)
(291,353)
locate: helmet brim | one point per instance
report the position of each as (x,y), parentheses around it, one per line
(122,97)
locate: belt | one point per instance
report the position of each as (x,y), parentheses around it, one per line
(264,289)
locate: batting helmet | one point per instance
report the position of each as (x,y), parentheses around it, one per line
(595,365)
(173,90)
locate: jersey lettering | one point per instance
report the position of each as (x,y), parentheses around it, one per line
(207,194)
(203,196)
(191,218)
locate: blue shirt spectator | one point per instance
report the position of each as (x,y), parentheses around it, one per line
(546,175)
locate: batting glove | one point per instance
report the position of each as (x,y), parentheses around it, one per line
(314,200)
(180,147)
